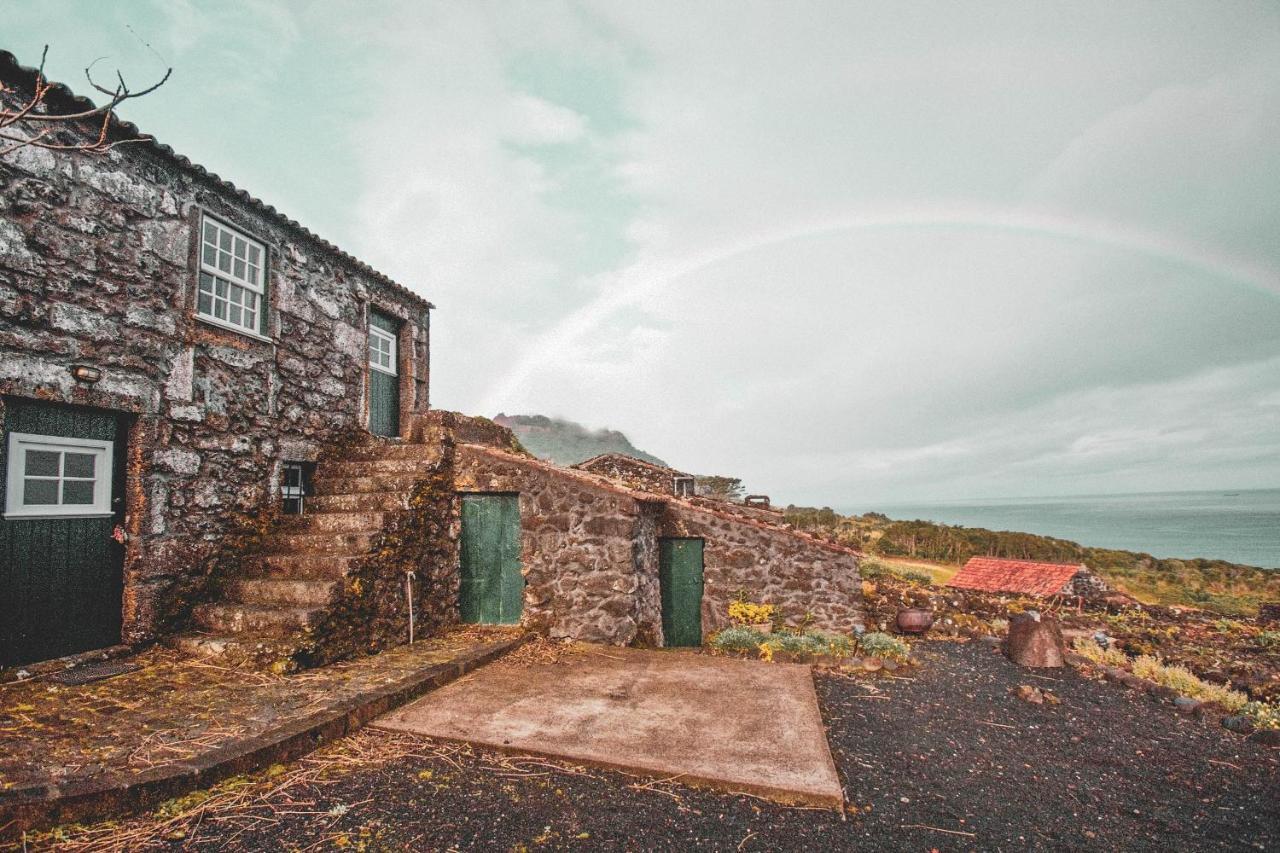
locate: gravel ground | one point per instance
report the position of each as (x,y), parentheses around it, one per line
(945,760)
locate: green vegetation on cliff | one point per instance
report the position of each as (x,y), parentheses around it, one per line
(567,443)
(1211,584)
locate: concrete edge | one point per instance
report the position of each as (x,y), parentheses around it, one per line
(114,794)
(782,796)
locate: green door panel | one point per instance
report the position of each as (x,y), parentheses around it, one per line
(492,590)
(680,579)
(61,579)
(384,388)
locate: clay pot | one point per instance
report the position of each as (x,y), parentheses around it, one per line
(762,628)
(914,620)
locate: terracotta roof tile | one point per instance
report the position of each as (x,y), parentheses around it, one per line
(1021,576)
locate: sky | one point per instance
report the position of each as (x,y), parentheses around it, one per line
(852,252)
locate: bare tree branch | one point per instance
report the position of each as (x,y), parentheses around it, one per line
(32,113)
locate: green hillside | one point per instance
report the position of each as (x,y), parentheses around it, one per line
(1210,584)
(567,443)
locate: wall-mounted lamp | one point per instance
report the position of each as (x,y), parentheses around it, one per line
(85,373)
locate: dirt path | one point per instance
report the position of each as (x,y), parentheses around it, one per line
(946,760)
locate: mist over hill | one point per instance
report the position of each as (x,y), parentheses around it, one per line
(565,442)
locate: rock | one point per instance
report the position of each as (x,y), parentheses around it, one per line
(1027,693)
(1187,705)
(1051,698)
(891,665)
(988,640)
(872,664)
(1114,673)
(1035,641)
(1239,724)
(1266,737)
(1160,693)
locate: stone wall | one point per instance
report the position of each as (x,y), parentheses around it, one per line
(587,549)
(796,573)
(98,259)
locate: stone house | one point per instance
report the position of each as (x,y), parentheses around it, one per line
(216,432)
(171,350)
(640,474)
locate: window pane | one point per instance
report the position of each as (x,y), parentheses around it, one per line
(78,492)
(250,320)
(224,240)
(206,282)
(78,465)
(206,303)
(252,275)
(221,287)
(220,309)
(239,268)
(39,492)
(235,314)
(253,254)
(42,463)
(224,262)
(210,233)
(210,254)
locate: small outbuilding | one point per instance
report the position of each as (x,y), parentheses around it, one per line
(1026,577)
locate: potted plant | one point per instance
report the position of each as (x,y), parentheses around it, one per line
(757,617)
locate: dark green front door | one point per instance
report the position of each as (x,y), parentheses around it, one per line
(680,578)
(384,378)
(60,569)
(492,585)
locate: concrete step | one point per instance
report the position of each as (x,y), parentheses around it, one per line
(359,502)
(315,521)
(325,484)
(255,619)
(411,451)
(335,544)
(299,566)
(370,467)
(280,592)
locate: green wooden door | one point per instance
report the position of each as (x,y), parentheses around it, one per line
(61,573)
(384,379)
(680,578)
(492,584)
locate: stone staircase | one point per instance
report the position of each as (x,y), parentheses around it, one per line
(298,590)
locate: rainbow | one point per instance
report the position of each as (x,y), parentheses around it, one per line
(642,280)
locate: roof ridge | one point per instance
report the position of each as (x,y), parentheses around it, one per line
(11,69)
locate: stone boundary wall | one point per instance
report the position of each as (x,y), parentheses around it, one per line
(633,473)
(796,573)
(98,261)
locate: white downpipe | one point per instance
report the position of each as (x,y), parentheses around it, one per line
(408,594)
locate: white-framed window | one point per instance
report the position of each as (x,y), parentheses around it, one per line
(232,272)
(382,350)
(55,477)
(683,487)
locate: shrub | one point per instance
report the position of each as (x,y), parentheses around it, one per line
(912,576)
(796,644)
(873,569)
(1269,639)
(881,645)
(1096,653)
(1184,681)
(837,645)
(737,639)
(1264,715)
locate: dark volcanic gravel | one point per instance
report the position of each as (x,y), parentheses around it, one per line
(948,749)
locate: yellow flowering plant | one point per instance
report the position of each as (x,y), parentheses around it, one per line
(747,613)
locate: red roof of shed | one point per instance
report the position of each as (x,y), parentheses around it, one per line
(1021,576)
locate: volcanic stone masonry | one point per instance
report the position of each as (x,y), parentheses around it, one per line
(98,267)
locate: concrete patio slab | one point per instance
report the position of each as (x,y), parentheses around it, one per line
(734,725)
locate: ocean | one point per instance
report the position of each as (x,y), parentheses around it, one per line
(1237,526)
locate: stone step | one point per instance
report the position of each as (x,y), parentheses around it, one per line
(316,521)
(255,619)
(412,451)
(360,502)
(324,484)
(371,467)
(299,566)
(334,544)
(280,592)
(210,645)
